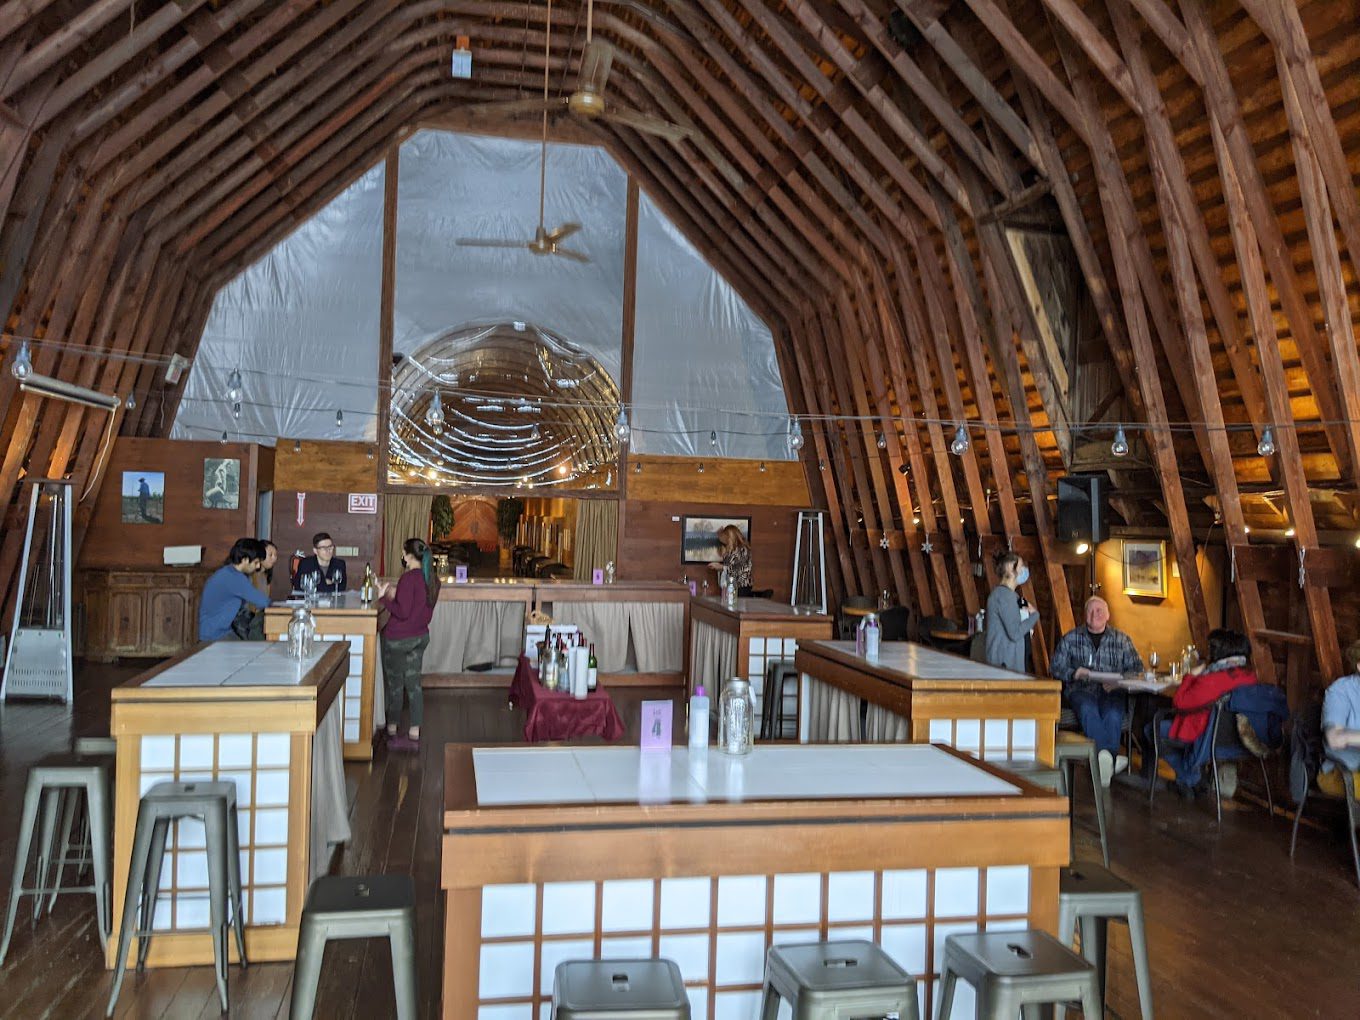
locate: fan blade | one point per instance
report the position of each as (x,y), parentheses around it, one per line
(488,242)
(563,232)
(595,63)
(647,125)
(568,253)
(515,107)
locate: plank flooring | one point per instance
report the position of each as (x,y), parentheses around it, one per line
(1236,929)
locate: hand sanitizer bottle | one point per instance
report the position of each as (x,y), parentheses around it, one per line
(698,718)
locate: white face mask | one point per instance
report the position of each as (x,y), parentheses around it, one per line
(1022,575)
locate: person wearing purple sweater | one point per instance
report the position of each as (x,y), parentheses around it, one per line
(410,605)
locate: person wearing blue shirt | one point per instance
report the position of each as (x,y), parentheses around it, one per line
(229,590)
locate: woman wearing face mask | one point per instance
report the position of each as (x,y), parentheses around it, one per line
(1007,624)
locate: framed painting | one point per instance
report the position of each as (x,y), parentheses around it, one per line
(221,483)
(143,497)
(1145,569)
(699,537)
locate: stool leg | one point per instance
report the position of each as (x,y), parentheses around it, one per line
(403,944)
(151,886)
(946,1004)
(32,795)
(1142,972)
(769,1003)
(215,829)
(307,970)
(97,821)
(238,911)
(69,802)
(141,846)
(1067,921)
(50,802)
(1092,1001)
(1092,766)
(1094,933)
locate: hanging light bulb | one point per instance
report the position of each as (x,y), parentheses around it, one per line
(535,434)
(339,418)
(131,402)
(622,431)
(795,435)
(236,410)
(234,390)
(224,437)
(637,467)
(297,445)
(959,446)
(434,414)
(23,362)
(370,453)
(437,428)
(1266,447)
(1120,446)
(762,465)
(1083,548)
(701,467)
(713,439)
(821,465)
(882,441)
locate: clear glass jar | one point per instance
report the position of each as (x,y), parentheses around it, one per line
(301,633)
(736,718)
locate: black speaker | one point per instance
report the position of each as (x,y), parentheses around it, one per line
(1081,508)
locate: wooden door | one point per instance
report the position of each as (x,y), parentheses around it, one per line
(126,622)
(170,626)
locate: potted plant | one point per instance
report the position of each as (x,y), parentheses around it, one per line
(508,513)
(441,517)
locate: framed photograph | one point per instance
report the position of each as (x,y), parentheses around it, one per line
(699,537)
(221,483)
(143,497)
(1145,569)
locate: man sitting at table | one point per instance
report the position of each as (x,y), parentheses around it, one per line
(325,566)
(1088,660)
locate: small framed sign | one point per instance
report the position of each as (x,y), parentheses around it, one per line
(597,576)
(656,725)
(363,502)
(460,574)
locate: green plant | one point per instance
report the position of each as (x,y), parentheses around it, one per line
(441,517)
(508,513)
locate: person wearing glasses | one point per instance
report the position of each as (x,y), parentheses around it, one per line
(325,566)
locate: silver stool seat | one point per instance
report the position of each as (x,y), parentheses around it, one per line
(215,804)
(1034,772)
(357,907)
(1013,969)
(829,980)
(1094,896)
(1072,750)
(52,785)
(605,989)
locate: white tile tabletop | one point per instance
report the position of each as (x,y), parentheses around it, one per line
(598,775)
(918,661)
(240,664)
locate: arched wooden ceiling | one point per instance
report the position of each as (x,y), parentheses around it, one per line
(858,170)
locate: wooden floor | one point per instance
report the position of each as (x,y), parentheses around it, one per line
(1236,928)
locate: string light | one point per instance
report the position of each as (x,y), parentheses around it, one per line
(713,439)
(1266,447)
(701,467)
(882,441)
(234,389)
(131,402)
(339,418)
(622,431)
(236,410)
(1288,532)
(960,444)
(434,415)
(22,367)
(637,467)
(795,435)
(1083,548)
(762,466)
(297,445)
(223,440)
(1120,446)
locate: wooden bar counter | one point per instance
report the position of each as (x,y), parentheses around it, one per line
(923,695)
(742,639)
(344,617)
(555,853)
(243,712)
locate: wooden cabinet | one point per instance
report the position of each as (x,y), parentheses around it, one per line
(145,613)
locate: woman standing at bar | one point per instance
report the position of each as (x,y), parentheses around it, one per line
(1007,625)
(410,605)
(736,558)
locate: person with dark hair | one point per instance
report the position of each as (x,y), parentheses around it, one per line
(1341,723)
(228,595)
(1007,625)
(264,577)
(410,606)
(324,565)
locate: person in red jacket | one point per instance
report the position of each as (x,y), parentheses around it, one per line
(410,606)
(1229,666)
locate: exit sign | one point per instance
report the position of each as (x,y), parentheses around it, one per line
(363,502)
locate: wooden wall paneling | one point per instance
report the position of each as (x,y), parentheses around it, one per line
(39,187)
(1169,175)
(325,466)
(725,480)
(872,301)
(1114,199)
(73,32)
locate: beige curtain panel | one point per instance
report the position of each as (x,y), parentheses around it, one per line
(605,624)
(712,658)
(833,714)
(884,727)
(403,517)
(330,811)
(597,538)
(464,634)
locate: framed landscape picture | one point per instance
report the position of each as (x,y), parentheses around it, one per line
(699,537)
(143,497)
(1145,569)
(221,483)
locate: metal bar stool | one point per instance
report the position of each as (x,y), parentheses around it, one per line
(632,989)
(1071,750)
(77,846)
(1013,969)
(215,804)
(773,718)
(357,907)
(47,782)
(1094,896)
(829,980)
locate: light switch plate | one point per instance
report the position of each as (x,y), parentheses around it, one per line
(675,520)
(347,550)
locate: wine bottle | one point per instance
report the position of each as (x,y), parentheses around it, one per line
(592,670)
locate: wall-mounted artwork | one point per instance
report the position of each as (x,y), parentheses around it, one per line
(221,483)
(143,499)
(699,537)
(1145,569)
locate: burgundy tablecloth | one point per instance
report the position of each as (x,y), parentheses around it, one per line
(556,715)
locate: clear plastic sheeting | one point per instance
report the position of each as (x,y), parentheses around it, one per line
(702,361)
(301,327)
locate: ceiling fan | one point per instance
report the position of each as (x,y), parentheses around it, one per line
(588,100)
(544,242)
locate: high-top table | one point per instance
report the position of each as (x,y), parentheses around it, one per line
(244,712)
(919,694)
(344,617)
(555,853)
(740,640)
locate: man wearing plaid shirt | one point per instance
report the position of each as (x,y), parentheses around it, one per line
(1087,659)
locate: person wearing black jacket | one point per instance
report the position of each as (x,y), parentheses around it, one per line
(328,568)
